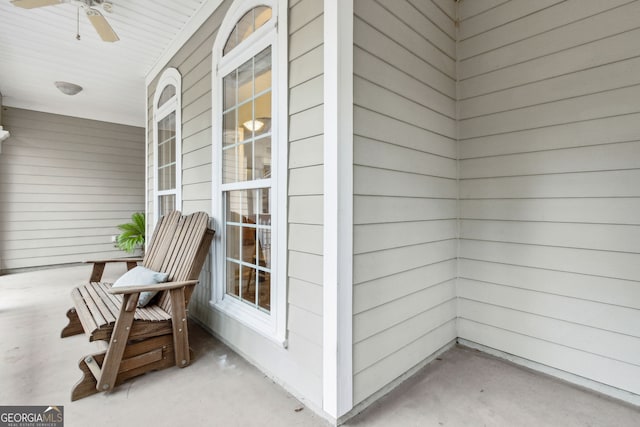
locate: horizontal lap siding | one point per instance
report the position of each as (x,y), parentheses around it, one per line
(305,192)
(549,104)
(65,185)
(405,187)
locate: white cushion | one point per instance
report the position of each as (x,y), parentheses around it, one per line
(140,276)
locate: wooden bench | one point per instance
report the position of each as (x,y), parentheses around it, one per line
(141,339)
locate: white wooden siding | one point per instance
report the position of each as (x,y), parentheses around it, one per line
(549,165)
(298,367)
(65,184)
(305,246)
(405,188)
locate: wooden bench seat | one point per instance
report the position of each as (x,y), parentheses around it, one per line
(148,338)
(98,310)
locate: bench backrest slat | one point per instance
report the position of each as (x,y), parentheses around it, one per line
(179,246)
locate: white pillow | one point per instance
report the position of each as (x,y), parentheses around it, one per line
(139,276)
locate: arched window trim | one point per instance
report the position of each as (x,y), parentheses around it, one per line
(272,326)
(169,77)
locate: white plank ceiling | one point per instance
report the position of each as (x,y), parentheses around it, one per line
(39,47)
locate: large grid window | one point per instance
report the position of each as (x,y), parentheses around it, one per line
(248,282)
(246,174)
(167,151)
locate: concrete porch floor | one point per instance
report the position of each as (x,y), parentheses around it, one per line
(463,388)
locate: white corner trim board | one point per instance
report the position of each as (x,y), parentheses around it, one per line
(338,209)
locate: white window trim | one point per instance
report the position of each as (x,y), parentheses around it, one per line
(273,325)
(170,77)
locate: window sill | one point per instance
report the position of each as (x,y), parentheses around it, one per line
(259,322)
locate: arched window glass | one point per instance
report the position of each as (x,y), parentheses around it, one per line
(250,22)
(167,93)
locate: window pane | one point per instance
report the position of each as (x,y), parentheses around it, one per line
(165,134)
(231,42)
(245,81)
(229,161)
(163,154)
(172,176)
(264,290)
(262,158)
(229,83)
(263,106)
(167,124)
(245,117)
(263,70)
(249,245)
(238,206)
(172,150)
(261,15)
(233,278)
(162,177)
(245,161)
(167,177)
(166,152)
(250,216)
(249,284)
(166,204)
(167,129)
(264,247)
(264,230)
(264,207)
(233,242)
(167,93)
(230,128)
(245,26)
(238,163)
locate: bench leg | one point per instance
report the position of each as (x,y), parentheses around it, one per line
(153,354)
(74,327)
(87,384)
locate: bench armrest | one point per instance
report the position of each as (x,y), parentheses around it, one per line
(157,287)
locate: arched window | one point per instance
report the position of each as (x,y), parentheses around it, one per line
(245,163)
(167,141)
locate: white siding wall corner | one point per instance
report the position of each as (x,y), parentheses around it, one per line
(405,172)
(549,99)
(65,185)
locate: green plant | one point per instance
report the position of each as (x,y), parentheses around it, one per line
(133,233)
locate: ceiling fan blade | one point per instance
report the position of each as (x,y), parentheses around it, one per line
(32,4)
(101,25)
